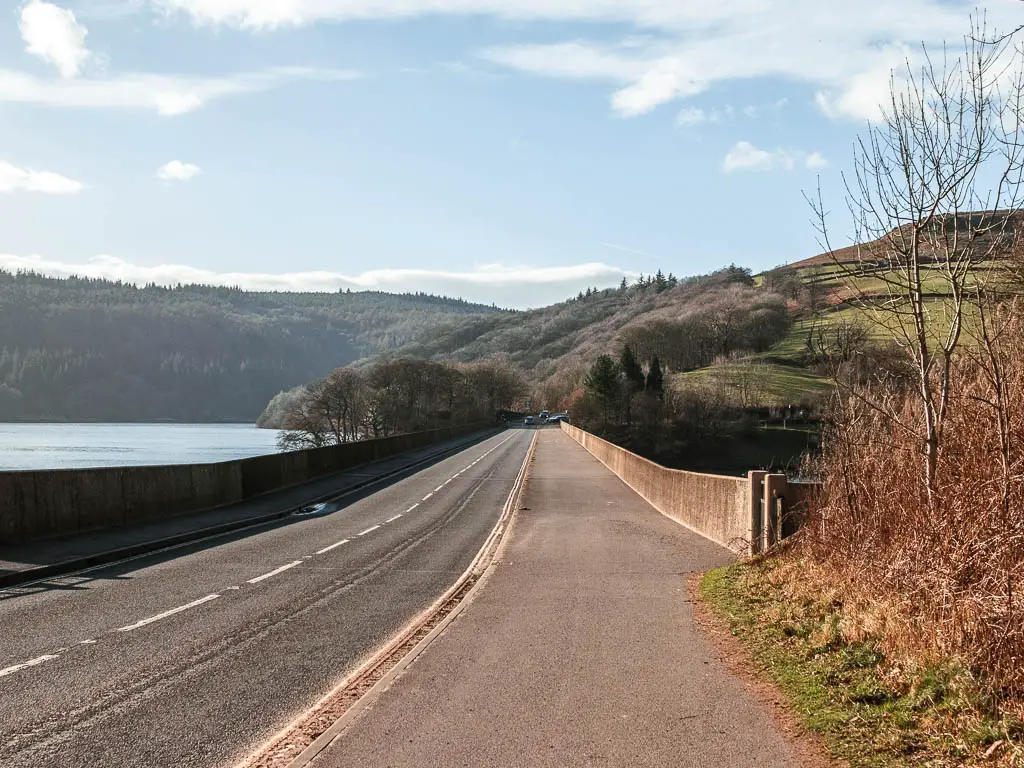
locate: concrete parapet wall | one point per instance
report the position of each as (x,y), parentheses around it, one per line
(41,504)
(716,506)
(748,515)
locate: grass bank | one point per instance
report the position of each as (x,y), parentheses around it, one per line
(869,710)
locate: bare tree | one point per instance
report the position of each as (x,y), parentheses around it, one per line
(934,197)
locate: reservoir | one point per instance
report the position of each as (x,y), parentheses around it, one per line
(77,446)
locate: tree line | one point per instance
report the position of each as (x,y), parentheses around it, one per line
(393,397)
(96,350)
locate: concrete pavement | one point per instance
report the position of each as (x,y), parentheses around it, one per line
(580,650)
(196,656)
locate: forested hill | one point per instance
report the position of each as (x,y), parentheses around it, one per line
(93,350)
(687,323)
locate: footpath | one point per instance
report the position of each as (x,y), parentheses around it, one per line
(43,559)
(581,650)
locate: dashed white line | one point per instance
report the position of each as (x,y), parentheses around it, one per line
(87,642)
(335,545)
(410,509)
(368,530)
(392,519)
(274,572)
(27,664)
(440,487)
(165,614)
(427,496)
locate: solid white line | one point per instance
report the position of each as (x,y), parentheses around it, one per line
(368,530)
(392,519)
(427,496)
(165,614)
(333,546)
(26,665)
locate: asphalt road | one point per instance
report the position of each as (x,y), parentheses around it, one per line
(195,657)
(581,650)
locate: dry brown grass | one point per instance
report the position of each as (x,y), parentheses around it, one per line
(939,579)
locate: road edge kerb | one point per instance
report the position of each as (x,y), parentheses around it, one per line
(30,576)
(482,565)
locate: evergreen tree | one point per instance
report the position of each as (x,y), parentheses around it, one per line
(623,286)
(660,283)
(673,281)
(631,370)
(655,378)
(603,383)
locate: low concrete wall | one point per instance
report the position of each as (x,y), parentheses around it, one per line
(42,504)
(746,514)
(716,506)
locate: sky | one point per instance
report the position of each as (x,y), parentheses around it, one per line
(505,152)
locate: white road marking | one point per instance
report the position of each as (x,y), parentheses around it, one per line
(333,546)
(440,487)
(86,642)
(165,614)
(427,496)
(274,572)
(410,509)
(368,530)
(234,588)
(392,519)
(26,665)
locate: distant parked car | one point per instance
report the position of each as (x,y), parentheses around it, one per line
(528,420)
(543,415)
(557,417)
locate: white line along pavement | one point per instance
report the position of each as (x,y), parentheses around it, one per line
(335,545)
(392,519)
(165,614)
(274,572)
(27,664)
(425,498)
(368,530)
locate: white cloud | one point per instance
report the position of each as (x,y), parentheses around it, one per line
(691,116)
(572,60)
(14,179)
(744,156)
(178,171)
(164,94)
(672,49)
(815,161)
(511,286)
(54,35)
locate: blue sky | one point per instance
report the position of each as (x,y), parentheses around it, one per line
(505,152)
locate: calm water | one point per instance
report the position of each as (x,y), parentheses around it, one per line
(66,446)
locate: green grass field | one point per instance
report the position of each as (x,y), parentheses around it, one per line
(764,384)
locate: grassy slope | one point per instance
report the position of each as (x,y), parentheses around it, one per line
(869,712)
(777,384)
(785,380)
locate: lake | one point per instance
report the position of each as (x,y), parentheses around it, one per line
(74,446)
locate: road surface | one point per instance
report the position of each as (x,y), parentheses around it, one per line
(195,657)
(581,649)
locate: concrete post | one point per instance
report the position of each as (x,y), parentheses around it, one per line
(756,479)
(774,497)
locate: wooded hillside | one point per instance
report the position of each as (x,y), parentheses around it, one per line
(94,350)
